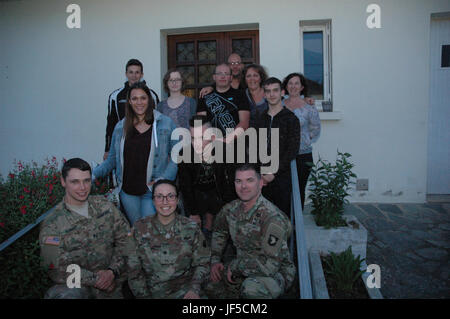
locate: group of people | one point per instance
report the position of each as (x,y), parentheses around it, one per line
(178,218)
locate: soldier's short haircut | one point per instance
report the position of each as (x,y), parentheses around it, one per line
(79,163)
(163,181)
(202,118)
(249,167)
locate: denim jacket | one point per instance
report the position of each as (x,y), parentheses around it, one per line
(160,164)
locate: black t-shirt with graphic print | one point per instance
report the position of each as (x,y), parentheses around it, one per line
(222,109)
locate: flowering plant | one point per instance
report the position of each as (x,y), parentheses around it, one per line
(28,191)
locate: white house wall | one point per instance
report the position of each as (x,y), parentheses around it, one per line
(54,81)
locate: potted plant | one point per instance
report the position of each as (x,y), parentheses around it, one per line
(327,228)
(340,276)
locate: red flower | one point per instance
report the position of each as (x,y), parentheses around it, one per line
(11,176)
(45,176)
(51,199)
(2,225)
(33,173)
(21,197)
(55,177)
(26,190)
(50,187)
(51,266)
(97,182)
(31,205)
(23,209)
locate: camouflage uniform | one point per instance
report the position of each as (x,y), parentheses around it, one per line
(170,259)
(96,243)
(262,267)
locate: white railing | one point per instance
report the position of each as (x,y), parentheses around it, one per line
(299,230)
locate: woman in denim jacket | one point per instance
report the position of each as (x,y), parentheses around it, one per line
(140,153)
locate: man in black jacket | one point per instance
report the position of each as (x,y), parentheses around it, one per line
(134,71)
(277,185)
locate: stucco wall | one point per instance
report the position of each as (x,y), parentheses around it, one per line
(54,81)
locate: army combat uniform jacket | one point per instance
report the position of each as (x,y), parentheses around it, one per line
(96,243)
(260,237)
(171,259)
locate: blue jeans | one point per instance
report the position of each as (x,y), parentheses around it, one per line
(137,207)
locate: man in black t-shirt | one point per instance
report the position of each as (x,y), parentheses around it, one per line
(228,110)
(225,107)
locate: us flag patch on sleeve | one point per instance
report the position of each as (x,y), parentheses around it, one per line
(52,240)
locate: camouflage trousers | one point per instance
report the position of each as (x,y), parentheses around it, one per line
(252,287)
(179,294)
(63,292)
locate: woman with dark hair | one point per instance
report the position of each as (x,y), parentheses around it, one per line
(172,257)
(140,153)
(295,85)
(254,76)
(178,107)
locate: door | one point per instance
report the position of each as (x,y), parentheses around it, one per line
(439,113)
(196,55)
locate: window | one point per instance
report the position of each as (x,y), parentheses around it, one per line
(315,40)
(196,55)
(445,56)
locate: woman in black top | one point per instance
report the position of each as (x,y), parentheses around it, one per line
(140,152)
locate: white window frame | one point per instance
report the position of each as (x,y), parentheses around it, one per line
(325,27)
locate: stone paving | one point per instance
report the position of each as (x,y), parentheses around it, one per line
(411,243)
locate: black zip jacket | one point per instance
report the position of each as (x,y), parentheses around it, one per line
(289,136)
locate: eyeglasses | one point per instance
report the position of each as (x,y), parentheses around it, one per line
(169,197)
(222,74)
(235,63)
(175,80)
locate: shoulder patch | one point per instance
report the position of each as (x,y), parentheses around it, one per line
(50,252)
(273,238)
(51,240)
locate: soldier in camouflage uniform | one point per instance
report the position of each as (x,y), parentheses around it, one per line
(172,257)
(259,230)
(87,231)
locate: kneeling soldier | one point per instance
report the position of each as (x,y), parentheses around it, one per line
(259,230)
(87,231)
(172,257)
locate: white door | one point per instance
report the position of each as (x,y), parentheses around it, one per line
(439,111)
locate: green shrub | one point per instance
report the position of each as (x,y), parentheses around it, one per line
(344,269)
(28,191)
(329,185)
